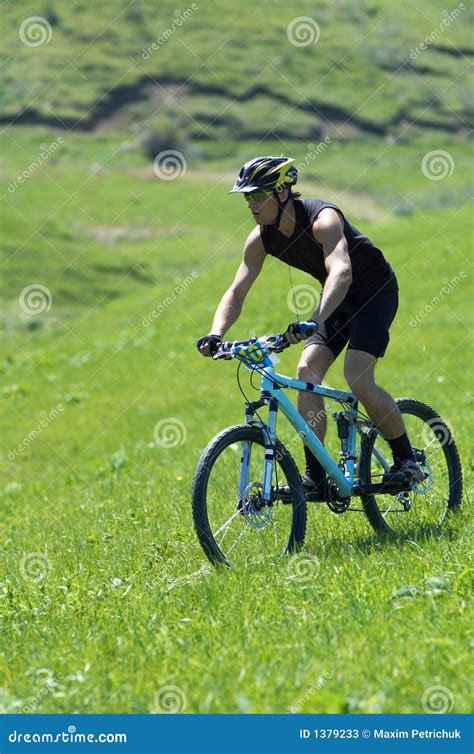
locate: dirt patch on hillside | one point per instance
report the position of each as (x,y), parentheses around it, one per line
(110,234)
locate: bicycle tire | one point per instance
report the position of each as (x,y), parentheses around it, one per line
(411,406)
(235,434)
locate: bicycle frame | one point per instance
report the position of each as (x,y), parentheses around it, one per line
(272,394)
(259,501)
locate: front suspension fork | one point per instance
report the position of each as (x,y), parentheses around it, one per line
(269,431)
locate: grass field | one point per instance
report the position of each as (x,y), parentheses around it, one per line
(217,70)
(106,597)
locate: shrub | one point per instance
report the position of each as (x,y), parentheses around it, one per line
(166,131)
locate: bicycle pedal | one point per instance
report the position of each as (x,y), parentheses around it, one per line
(282,495)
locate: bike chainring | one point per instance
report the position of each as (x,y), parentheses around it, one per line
(334,502)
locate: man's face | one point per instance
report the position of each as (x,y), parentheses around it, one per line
(264,210)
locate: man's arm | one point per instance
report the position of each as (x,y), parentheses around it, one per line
(230,305)
(328,230)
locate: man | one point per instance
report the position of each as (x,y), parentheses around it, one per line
(357,306)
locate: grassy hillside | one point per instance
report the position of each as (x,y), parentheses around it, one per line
(93,220)
(110,274)
(106,596)
(219,69)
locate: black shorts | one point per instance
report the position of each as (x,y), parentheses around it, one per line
(360,322)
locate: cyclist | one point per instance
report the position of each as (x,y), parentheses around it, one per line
(358,302)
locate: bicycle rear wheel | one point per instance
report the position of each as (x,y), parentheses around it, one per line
(426,505)
(238,529)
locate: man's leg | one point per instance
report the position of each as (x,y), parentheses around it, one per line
(314,363)
(359,370)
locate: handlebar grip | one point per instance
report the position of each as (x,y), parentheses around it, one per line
(308,328)
(213,342)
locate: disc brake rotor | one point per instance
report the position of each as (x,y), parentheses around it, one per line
(256,511)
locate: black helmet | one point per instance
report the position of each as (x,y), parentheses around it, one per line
(266,174)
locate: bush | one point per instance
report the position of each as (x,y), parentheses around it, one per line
(166,131)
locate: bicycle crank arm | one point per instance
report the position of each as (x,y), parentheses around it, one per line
(386,488)
(282,495)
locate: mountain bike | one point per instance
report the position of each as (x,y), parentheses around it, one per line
(248,496)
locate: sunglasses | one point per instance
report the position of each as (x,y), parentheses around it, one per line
(257,196)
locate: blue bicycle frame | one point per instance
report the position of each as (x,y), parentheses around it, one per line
(255,357)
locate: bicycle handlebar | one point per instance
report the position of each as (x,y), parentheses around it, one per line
(270,343)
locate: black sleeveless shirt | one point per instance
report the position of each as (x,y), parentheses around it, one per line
(370,269)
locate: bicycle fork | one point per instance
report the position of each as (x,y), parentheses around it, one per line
(270,440)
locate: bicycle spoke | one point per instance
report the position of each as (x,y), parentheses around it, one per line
(244,528)
(427,502)
(243,533)
(237,513)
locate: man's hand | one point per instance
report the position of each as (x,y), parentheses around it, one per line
(208,344)
(292,332)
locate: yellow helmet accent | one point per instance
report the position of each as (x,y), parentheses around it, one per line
(281,171)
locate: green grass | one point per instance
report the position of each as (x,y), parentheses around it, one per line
(126,605)
(361,65)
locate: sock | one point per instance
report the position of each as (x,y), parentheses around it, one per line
(313,468)
(401,449)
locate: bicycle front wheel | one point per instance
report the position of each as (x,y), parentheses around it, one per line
(234,525)
(425,506)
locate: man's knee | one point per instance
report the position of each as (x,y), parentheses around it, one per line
(310,371)
(314,363)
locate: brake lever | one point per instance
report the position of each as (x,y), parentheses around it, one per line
(277,343)
(222,353)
